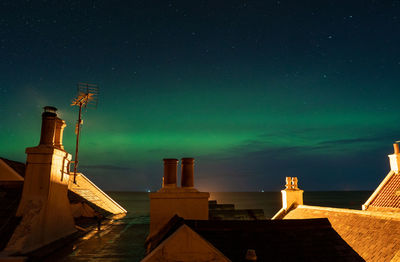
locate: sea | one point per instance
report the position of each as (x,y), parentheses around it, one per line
(123,240)
(138,204)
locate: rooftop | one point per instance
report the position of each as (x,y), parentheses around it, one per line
(272,240)
(373,235)
(389,195)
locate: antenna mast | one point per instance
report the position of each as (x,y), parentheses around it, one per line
(87,95)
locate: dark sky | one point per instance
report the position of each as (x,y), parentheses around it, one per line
(254,90)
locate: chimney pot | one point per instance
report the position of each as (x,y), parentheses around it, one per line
(251,255)
(170,172)
(58,135)
(50,110)
(187,178)
(396,148)
(49,116)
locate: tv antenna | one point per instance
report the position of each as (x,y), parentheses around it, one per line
(87,95)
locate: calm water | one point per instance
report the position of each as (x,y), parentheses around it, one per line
(138,204)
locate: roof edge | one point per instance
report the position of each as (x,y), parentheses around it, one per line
(283,212)
(376,214)
(378,189)
(18,177)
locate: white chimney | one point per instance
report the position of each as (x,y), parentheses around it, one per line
(292,195)
(395,159)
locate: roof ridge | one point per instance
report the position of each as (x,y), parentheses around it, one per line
(378,214)
(378,190)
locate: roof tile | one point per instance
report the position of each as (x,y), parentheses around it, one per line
(387,197)
(371,234)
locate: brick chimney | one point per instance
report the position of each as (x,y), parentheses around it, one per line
(185,201)
(44,207)
(394,159)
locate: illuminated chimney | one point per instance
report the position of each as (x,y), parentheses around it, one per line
(48,126)
(58,135)
(292,195)
(44,207)
(395,159)
(185,201)
(170,172)
(187,172)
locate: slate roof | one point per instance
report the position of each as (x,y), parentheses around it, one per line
(389,195)
(75,198)
(17,166)
(373,235)
(273,240)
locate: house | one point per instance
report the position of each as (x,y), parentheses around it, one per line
(372,232)
(183,227)
(263,240)
(40,202)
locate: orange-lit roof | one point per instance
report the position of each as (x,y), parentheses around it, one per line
(373,235)
(389,195)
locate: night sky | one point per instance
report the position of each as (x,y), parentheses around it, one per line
(253,90)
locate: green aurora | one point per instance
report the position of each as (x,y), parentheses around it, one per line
(253,97)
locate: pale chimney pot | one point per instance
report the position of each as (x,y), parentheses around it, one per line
(58,135)
(396,148)
(394,159)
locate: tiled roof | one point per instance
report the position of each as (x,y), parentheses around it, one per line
(373,235)
(388,196)
(272,240)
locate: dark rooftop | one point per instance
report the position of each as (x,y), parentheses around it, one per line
(273,240)
(17,166)
(373,235)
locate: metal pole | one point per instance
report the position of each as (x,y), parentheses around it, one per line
(77,141)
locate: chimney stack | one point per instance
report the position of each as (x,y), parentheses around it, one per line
(292,195)
(170,172)
(184,201)
(48,126)
(44,206)
(187,172)
(395,159)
